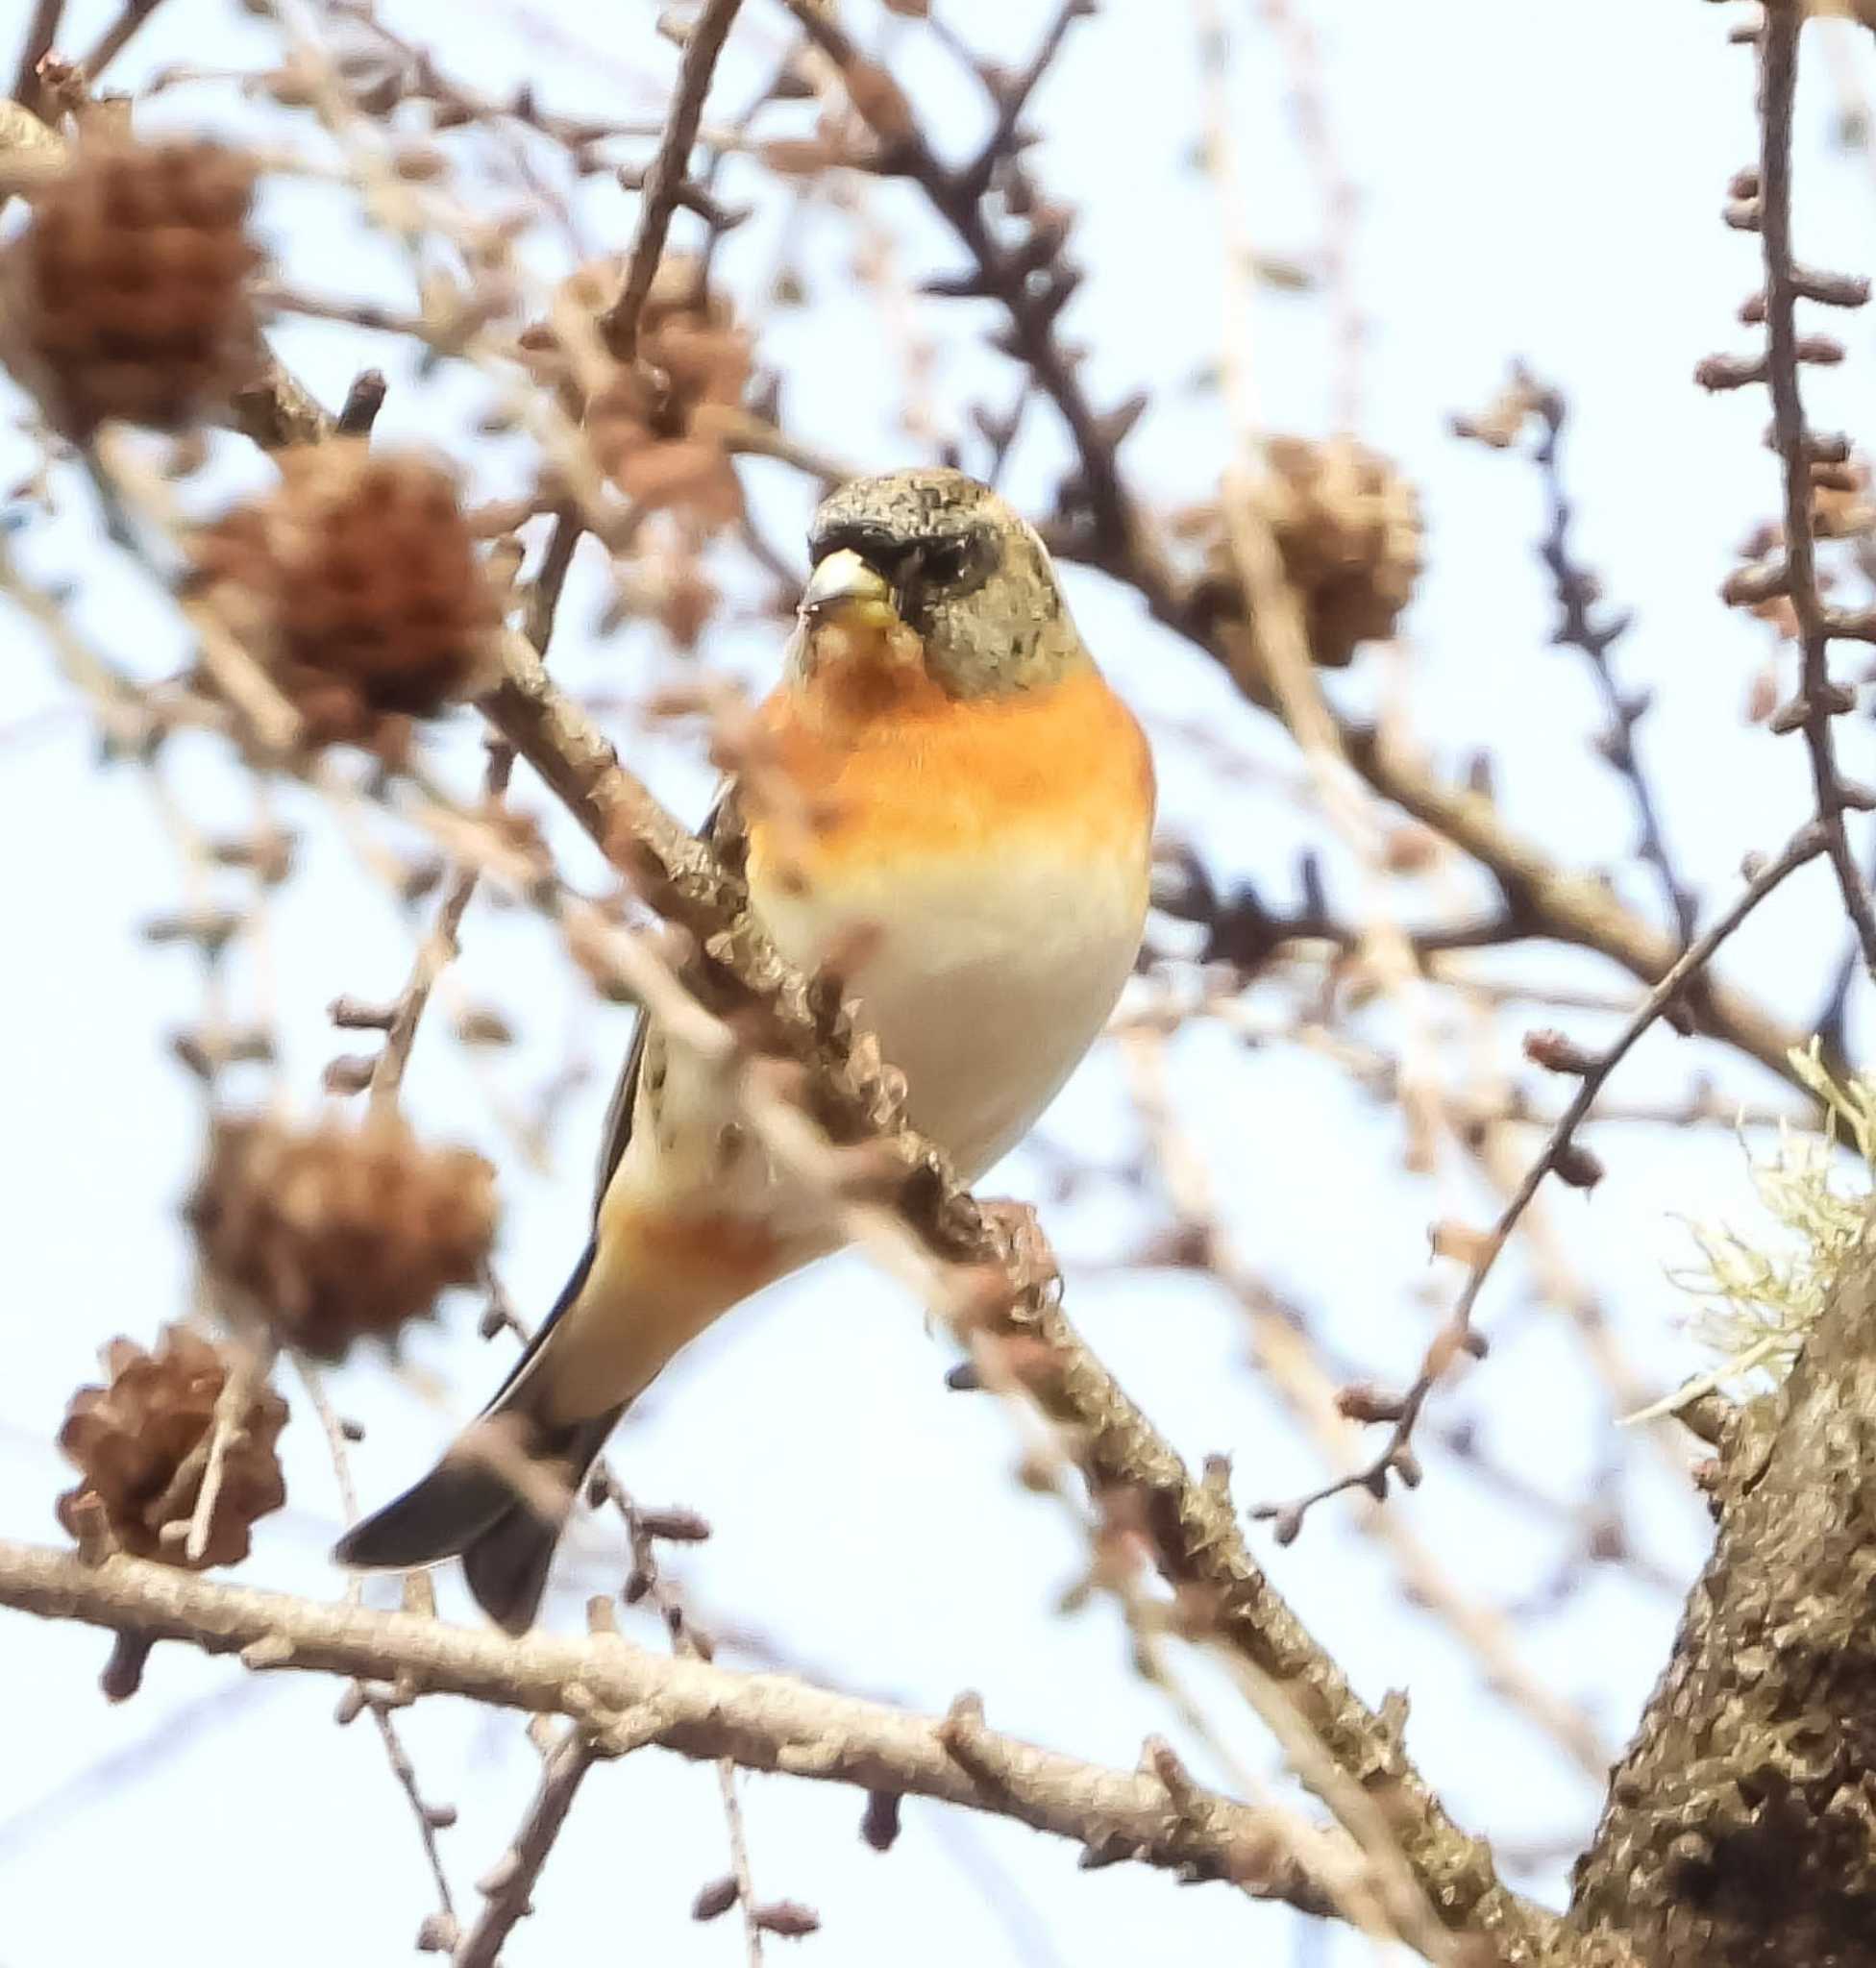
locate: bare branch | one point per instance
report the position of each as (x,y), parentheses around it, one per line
(41,31)
(763,1722)
(1577,590)
(508,1889)
(435,954)
(1820,700)
(116,36)
(1457,1335)
(665,184)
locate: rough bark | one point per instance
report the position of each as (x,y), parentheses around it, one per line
(1741,1827)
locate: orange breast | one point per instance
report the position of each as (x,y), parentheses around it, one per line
(901,770)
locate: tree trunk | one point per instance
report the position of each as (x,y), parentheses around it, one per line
(1741,1827)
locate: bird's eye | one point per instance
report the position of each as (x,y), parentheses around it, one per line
(944,561)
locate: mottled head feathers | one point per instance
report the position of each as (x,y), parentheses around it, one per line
(966,573)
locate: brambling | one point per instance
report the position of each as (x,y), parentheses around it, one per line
(953,803)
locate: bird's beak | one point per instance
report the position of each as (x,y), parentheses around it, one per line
(844,589)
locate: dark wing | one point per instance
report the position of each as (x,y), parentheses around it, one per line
(724,829)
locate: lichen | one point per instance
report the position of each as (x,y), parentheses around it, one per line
(1758,1293)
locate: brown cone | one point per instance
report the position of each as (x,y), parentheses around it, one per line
(1348,526)
(650,422)
(340,1231)
(358,582)
(141,1443)
(126,295)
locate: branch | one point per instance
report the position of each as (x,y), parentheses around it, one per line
(110,45)
(1820,699)
(1242,930)
(1577,589)
(665,182)
(510,1888)
(434,956)
(762,1722)
(1457,1335)
(41,31)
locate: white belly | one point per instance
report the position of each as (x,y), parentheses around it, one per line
(984,994)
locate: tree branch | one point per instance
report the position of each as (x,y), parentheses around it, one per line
(510,1888)
(665,182)
(1576,590)
(1820,700)
(41,31)
(1457,1335)
(762,1722)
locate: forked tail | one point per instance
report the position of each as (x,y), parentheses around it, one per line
(499,1499)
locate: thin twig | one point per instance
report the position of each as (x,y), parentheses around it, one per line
(250,1368)
(112,42)
(664,182)
(1286,1357)
(1457,1336)
(739,1869)
(510,1886)
(650,1577)
(1309,102)
(435,954)
(1821,700)
(430,1818)
(545,589)
(1577,589)
(41,31)
(1278,637)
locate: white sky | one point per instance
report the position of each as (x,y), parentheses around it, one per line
(1533,183)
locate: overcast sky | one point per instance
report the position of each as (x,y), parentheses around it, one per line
(1533,183)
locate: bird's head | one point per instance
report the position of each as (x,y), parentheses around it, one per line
(933,553)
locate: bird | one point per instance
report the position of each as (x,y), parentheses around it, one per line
(951,804)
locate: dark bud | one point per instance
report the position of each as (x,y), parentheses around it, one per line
(788,1918)
(348,1074)
(1576,1166)
(715,1899)
(1552,1050)
(1729,372)
(679,1526)
(210,930)
(1363,1402)
(880,1826)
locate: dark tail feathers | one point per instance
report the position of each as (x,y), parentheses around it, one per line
(467,1508)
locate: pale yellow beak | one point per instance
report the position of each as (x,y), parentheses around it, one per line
(844,589)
